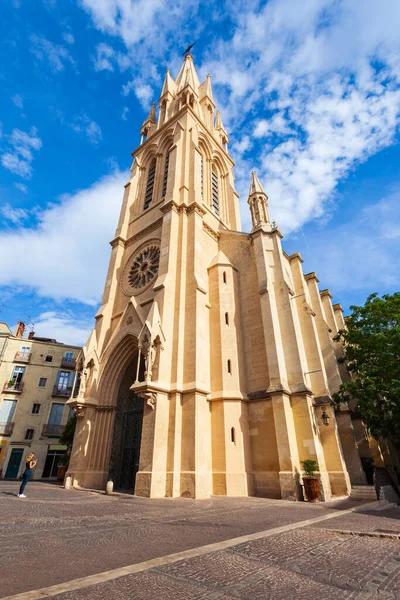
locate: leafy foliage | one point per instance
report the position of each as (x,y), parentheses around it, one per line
(372,345)
(309,467)
(67,436)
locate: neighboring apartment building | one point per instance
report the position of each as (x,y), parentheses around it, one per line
(37,376)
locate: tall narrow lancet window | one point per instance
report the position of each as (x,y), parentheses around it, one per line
(202,176)
(150,184)
(215,191)
(165,179)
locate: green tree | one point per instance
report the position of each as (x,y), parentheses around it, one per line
(67,436)
(372,346)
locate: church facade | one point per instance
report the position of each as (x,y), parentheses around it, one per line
(212,363)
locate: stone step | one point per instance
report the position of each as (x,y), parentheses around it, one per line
(363,492)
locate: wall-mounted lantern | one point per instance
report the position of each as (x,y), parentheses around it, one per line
(324,416)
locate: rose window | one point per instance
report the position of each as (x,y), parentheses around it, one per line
(145,267)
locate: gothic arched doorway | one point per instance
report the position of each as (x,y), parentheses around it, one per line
(125,449)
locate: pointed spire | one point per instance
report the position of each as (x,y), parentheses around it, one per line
(205,90)
(258,202)
(255,185)
(152,114)
(149,124)
(187,75)
(169,86)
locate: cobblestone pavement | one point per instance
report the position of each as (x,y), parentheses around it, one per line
(56,536)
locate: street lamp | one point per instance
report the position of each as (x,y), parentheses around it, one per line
(324,416)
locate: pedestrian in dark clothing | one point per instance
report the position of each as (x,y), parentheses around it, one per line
(30,465)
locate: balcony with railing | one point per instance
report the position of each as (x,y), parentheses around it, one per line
(23,357)
(51,430)
(6,428)
(13,386)
(63,391)
(68,363)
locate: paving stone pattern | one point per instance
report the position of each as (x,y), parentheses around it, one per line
(56,536)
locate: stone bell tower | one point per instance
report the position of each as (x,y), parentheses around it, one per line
(211,351)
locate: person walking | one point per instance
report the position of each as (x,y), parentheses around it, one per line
(30,465)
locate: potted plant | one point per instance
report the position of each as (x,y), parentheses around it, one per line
(310,481)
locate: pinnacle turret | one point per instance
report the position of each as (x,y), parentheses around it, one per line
(255,185)
(258,202)
(169,86)
(149,124)
(205,90)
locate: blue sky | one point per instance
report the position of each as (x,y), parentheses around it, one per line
(309,93)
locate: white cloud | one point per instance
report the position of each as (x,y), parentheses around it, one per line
(18,101)
(66,255)
(69,38)
(88,127)
(124,114)
(57,56)
(21,187)
(362,253)
(102,61)
(19,156)
(63,326)
(14,215)
(313,97)
(143,91)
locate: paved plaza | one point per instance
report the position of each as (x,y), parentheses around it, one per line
(71,545)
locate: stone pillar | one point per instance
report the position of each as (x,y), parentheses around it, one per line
(308,442)
(289,464)
(152,475)
(335,464)
(196,464)
(350,450)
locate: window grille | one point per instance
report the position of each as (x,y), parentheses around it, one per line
(165,180)
(150,185)
(215,192)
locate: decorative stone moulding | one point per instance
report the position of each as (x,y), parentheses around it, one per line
(141,269)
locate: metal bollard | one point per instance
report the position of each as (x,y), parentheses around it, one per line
(68,483)
(109,487)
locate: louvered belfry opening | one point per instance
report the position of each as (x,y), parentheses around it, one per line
(215,191)
(150,184)
(165,180)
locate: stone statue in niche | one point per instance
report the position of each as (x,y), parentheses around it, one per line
(86,377)
(150,348)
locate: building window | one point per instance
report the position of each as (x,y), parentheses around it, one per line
(29,434)
(150,184)
(7,410)
(56,414)
(224,277)
(215,191)
(25,351)
(233,434)
(36,408)
(165,180)
(15,381)
(48,358)
(42,382)
(229,367)
(226,319)
(63,380)
(69,355)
